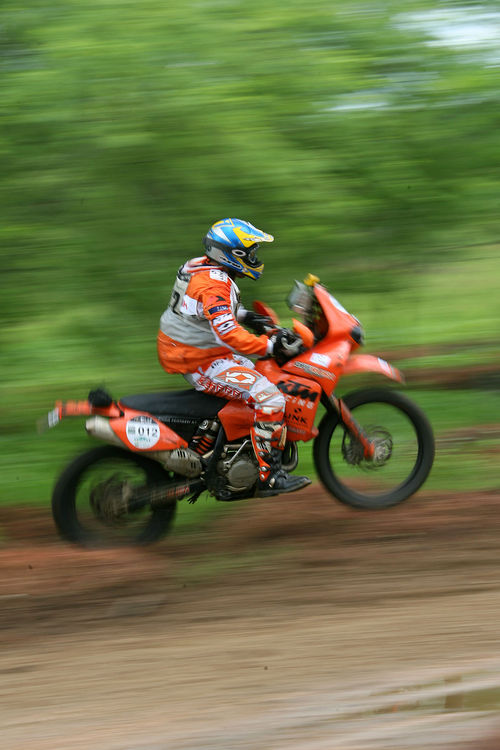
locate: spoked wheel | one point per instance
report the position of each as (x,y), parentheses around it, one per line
(404,450)
(93,500)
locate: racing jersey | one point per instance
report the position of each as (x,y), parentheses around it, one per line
(200,323)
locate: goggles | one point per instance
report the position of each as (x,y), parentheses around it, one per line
(252,255)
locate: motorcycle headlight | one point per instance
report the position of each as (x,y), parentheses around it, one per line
(300,299)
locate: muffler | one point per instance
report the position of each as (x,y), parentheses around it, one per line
(100,428)
(181,461)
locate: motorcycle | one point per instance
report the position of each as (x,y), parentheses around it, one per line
(372,449)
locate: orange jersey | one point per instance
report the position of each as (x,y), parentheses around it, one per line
(201,322)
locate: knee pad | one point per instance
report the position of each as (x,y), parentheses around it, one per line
(267,398)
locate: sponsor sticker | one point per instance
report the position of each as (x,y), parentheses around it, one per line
(143,432)
(320,359)
(217,309)
(209,386)
(385,365)
(265,394)
(226,327)
(215,298)
(314,370)
(293,428)
(222,319)
(218,275)
(242,378)
(297,418)
(293,389)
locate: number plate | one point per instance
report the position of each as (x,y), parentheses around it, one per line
(143,432)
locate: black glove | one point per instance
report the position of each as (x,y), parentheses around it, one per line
(286,345)
(259,323)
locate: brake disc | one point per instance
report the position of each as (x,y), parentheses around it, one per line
(353,451)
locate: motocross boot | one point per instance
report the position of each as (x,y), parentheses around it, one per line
(278,480)
(268,440)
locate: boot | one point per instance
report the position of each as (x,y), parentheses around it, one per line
(268,440)
(278,480)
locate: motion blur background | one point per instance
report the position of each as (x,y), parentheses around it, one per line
(363,135)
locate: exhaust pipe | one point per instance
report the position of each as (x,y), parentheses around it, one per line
(182,461)
(100,428)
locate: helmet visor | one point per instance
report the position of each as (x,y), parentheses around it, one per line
(252,258)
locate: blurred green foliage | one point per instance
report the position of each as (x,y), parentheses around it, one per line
(367,147)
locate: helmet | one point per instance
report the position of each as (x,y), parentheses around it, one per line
(233,243)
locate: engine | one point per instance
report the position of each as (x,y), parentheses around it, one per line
(238,466)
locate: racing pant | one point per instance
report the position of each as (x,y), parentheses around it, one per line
(235,377)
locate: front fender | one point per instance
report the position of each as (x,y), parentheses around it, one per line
(368,363)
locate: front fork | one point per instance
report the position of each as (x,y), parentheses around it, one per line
(352,426)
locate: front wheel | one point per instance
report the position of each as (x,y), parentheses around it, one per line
(90,500)
(404,450)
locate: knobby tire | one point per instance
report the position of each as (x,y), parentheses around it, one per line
(415,479)
(66,514)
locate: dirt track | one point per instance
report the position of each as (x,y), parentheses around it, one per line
(291,624)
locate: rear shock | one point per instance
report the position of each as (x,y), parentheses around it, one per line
(204,438)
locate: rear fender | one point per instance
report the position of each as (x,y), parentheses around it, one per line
(84,408)
(140,431)
(368,363)
(135,430)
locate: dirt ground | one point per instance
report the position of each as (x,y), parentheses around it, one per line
(285,624)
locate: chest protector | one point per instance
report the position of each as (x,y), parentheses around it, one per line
(184,320)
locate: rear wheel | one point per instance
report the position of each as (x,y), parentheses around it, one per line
(91,498)
(404,445)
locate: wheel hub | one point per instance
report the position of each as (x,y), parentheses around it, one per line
(353,451)
(383,447)
(109,500)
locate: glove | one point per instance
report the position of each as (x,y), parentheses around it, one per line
(286,345)
(259,323)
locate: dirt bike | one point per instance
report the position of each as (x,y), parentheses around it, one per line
(372,449)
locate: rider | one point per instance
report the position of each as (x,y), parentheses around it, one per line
(202,337)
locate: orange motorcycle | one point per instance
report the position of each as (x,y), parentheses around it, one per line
(372,448)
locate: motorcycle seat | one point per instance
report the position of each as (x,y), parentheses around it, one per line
(187,403)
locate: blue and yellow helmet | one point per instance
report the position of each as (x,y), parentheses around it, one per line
(234,243)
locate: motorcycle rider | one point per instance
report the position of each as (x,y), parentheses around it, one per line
(201,336)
